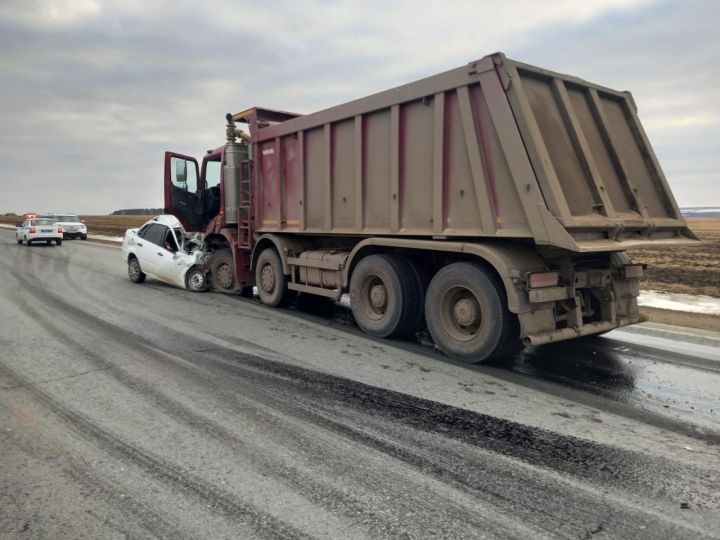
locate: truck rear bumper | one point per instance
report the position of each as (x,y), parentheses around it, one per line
(542,338)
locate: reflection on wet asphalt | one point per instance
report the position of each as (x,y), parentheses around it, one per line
(646,379)
(615,371)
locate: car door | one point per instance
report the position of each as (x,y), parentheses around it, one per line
(147,245)
(159,258)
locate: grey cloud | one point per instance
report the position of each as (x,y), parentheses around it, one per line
(91,98)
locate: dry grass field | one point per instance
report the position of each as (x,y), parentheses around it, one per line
(692,270)
(106,225)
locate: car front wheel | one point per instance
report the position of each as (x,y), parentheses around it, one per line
(196,280)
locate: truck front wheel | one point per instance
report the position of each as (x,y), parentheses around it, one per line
(272,284)
(222,271)
(383,296)
(467,315)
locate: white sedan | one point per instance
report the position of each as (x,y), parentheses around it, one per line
(161,249)
(38,230)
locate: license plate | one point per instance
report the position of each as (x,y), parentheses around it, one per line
(46,230)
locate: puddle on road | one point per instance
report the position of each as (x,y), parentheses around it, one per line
(634,377)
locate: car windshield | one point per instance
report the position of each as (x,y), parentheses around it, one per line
(41,222)
(66,219)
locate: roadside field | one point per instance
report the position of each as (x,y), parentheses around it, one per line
(106,225)
(690,270)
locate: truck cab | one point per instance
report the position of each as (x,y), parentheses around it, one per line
(205,201)
(193,194)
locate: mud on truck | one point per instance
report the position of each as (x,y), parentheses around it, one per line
(493,203)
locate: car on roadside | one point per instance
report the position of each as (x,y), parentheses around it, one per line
(161,249)
(73,226)
(38,229)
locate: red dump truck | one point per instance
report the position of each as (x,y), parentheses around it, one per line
(492,202)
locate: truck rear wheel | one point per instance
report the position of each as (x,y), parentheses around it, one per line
(272,284)
(222,271)
(383,296)
(467,315)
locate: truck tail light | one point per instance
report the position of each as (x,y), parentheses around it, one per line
(60,229)
(538,280)
(32,230)
(633,271)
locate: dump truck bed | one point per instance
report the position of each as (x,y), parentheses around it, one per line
(496,148)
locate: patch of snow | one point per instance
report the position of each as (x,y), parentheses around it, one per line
(105,237)
(680,302)
(677,346)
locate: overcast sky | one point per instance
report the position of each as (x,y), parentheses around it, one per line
(92,93)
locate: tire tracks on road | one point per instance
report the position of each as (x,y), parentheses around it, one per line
(585,460)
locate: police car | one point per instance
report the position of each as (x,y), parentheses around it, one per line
(38,229)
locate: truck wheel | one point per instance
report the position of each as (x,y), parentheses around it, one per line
(383,296)
(19,241)
(58,242)
(196,280)
(135,274)
(222,271)
(467,315)
(272,284)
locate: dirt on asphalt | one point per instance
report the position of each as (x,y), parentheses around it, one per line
(147,411)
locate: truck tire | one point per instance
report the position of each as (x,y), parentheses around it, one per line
(272,284)
(467,314)
(135,274)
(222,271)
(383,296)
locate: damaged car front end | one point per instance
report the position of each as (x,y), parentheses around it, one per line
(161,249)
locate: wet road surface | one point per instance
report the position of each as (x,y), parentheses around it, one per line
(146,411)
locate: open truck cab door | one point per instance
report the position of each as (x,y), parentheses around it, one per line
(184,191)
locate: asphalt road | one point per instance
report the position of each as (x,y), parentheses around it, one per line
(146,411)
